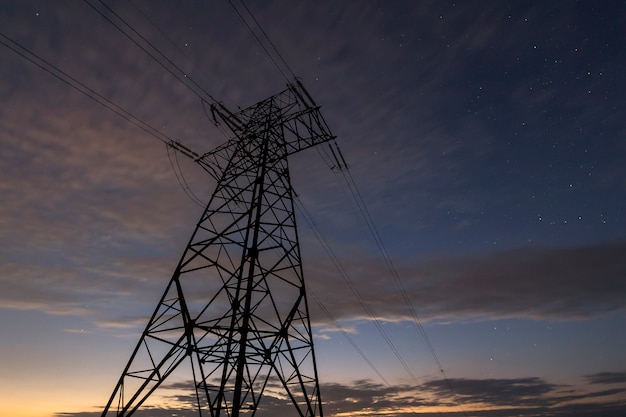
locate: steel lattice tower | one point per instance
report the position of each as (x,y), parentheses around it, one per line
(235,309)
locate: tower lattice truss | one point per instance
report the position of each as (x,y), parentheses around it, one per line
(234,316)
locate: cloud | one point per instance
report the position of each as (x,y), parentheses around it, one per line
(539,283)
(93,209)
(530,396)
(524,396)
(83,287)
(607,378)
(365,397)
(498,392)
(550,283)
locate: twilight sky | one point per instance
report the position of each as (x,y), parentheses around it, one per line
(488,140)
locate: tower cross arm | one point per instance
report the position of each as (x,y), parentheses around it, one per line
(211,162)
(292,115)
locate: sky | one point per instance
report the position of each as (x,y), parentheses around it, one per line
(487,140)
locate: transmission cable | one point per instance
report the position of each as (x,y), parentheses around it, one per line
(362,207)
(268,39)
(346,277)
(360,202)
(108,104)
(178,172)
(182,76)
(165,35)
(256,22)
(345,334)
(82,88)
(365,214)
(152,23)
(256,38)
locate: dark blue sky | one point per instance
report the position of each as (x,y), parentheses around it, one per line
(487,139)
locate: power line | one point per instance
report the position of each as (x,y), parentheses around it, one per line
(355,291)
(363,210)
(179,74)
(268,39)
(393,271)
(152,23)
(347,336)
(89,92)
(258,41)
(212,100)
(280,56)
(82,88)
(178,172)
(108,104)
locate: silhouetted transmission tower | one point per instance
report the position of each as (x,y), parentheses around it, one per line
(235,309)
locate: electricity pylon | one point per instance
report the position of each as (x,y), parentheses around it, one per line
(235,309)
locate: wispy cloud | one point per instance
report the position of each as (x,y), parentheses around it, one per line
(93,207)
